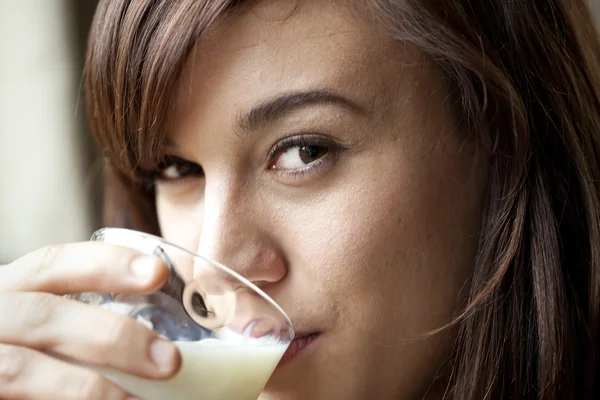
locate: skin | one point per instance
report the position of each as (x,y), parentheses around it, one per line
(40,330)
(368,245)
(371,245)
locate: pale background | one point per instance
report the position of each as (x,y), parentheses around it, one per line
(49,171)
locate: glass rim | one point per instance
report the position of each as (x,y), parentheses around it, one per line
(97,234)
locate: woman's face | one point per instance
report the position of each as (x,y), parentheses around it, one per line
(334,176)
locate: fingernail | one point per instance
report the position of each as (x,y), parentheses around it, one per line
(163,354)
(144,267)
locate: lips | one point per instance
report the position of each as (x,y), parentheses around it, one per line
(298,345)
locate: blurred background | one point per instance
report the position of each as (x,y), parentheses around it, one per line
(50,173)
(49,170)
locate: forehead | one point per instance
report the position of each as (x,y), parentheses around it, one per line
(291,33)
(258,51)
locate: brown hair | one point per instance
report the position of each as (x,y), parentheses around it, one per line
(526,73)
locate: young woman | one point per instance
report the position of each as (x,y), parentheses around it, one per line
(415,182)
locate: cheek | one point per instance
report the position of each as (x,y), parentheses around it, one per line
(385,253)
(395,238)
(180,222)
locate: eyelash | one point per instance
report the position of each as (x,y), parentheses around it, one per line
(170,161)
(308,140)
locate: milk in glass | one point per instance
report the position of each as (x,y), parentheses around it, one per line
(210,370)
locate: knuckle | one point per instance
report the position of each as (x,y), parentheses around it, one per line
(12,363)
(116,333)
(93,387)
(49,257)
(38,309)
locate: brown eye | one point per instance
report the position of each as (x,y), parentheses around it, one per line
(298,157)
(174,168)
(309,154)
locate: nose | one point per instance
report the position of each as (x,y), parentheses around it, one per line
(235,232)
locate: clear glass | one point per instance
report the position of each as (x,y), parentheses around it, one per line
(231,335)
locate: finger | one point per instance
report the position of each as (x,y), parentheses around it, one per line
(84,267)
(28,374)
(85,333)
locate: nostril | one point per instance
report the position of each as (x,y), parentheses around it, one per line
(199,306)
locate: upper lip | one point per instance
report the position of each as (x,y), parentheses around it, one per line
(305,327)
(304,334)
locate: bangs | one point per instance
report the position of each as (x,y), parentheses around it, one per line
(135,55)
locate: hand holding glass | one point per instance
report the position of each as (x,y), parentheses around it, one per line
(231,335)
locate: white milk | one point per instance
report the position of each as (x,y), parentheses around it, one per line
(210,370)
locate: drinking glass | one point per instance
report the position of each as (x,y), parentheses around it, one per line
(230,334)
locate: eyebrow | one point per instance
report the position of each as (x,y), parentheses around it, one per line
(268,112)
